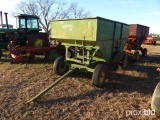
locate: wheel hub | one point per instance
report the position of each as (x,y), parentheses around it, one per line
(103,76)
(62,67)
(38,42)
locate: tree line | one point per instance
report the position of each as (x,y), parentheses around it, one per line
(48,10)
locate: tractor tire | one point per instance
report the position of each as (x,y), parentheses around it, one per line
(59,67)
(38,40)
(124,61)
(99,75)
(144,52)
(31,58)
(1,53)
(135,56)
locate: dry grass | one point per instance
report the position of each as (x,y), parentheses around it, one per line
(76,97)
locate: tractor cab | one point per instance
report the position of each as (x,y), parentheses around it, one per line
(27,23)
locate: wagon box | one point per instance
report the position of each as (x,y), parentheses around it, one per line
(138,32)
(110,36)
(137,35)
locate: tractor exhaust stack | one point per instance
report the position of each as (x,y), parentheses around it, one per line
(1,20)
(6,20)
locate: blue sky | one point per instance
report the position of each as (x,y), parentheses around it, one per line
(145,12)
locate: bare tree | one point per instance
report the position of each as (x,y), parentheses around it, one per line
(78,12)
(47,10)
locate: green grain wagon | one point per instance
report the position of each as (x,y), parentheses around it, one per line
(91,44)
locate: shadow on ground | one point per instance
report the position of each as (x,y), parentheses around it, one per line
(86,96)
(119,82)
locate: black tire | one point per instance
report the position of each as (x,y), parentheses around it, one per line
(31,58)
(154,43)
(70,53)
(155,105)
(135,56)
(99,75)
(1,53)
(12,61)
(144,52)
(124,61)
(59,67)
(62,52)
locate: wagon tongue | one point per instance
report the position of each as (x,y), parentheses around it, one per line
(51,86)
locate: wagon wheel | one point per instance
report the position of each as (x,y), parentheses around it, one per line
(135,56)
(70,53)
(124,61)
(59,67)
(1,53)
(144,52)
(62,53)
(99,75)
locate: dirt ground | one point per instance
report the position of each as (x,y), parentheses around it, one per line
(127,92)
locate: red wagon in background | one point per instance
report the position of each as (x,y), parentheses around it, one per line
(137,35)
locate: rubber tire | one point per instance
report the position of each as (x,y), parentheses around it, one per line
(144,52)
(71,53)
(1,53)
(155,105)
(58,63)
(31,57)
(135,56)
(154,43)
(122,64)
(97,74)
(62,52)
(37,36)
